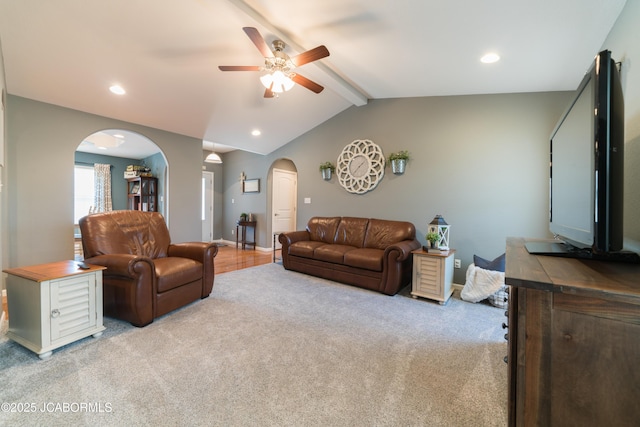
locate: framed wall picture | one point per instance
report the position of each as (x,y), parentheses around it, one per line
(251,185)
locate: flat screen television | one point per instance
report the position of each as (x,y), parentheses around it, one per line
(587,170)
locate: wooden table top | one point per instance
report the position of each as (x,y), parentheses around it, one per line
(51,271)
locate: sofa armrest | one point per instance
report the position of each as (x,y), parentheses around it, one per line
(400,251)
(204,253)
(397,265)
(293,236)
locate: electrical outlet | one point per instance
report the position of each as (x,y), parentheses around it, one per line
(233,231)
(456,263)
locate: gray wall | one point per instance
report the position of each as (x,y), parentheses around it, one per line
(480,161)
(42,139)
(624,46)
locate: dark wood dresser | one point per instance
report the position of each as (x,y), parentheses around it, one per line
(574,340)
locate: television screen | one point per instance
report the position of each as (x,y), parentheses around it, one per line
(572,199)
(586,176)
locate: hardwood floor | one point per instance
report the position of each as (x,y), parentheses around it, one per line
(228,259)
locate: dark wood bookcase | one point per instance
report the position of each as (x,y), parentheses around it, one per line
(142,192)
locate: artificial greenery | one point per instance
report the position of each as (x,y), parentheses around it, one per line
(400,155)
(327,165)
(433,237)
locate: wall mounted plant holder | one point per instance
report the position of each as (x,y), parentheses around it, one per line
(398,166)
(326,169)
(398,161)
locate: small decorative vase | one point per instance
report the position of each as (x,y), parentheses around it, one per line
(326,174)
(398,165)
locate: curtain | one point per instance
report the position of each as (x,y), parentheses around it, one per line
(102,188)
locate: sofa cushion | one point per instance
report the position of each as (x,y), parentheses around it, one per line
(351,231)
(332,253)
(323,229)
(173,272)
(383,233)
(367,258)
(304,248)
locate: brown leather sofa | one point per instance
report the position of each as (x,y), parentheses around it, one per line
(372,253)
(147,276)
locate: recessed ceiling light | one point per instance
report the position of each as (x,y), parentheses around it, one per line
(117,89)
(490,58)
(256,132)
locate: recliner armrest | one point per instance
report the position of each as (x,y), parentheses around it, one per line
(126,265)
(198,251)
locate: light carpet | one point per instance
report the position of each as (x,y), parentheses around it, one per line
(271,347)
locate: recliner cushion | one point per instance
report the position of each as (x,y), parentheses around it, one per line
(173,272)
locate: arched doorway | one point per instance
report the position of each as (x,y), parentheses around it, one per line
(119,149)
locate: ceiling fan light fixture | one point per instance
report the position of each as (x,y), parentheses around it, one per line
(277,81)
(267,80)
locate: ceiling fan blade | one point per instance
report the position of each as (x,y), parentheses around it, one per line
(310,56)
(257,40)
(268,93)
(303,81)
(239,68)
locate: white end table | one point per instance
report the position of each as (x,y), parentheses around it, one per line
(54,304)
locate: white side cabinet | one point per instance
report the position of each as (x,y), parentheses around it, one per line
(432,275)
(51,305)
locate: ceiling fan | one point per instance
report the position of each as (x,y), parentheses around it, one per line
(279,66)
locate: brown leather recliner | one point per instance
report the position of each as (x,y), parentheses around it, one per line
(147,276)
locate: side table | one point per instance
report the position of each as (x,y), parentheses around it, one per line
(242,226)
(54,304)
(432,275)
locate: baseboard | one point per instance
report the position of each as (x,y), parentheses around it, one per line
(232,243)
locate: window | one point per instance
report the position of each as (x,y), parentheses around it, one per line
(83,191)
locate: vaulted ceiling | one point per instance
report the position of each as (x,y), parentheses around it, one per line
(166,54)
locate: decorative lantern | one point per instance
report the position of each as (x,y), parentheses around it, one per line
(440,226)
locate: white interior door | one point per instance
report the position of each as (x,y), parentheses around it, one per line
(285,191)
(207,206)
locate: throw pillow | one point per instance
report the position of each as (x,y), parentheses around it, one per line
(495,265)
